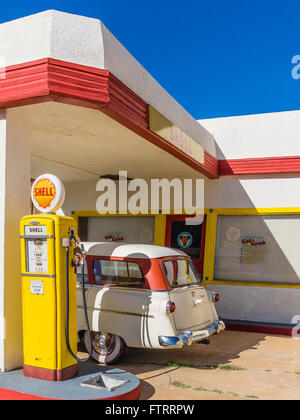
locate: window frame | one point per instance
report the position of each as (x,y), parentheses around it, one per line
(93,283)
(211,237)
(260,220)
(189,260)
(199,261)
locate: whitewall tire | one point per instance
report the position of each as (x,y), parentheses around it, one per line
(107,348)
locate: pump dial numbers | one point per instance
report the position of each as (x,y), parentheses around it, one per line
(37,255)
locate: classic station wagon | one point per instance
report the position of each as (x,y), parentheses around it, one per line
(143,296)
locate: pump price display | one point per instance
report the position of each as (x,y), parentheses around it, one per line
(37,252)
(37,256)
(36,249)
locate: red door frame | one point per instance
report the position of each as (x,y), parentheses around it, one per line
(199,263)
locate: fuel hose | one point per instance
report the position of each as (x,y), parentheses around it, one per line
(84,310)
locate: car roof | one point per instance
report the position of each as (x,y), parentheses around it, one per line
(112,249)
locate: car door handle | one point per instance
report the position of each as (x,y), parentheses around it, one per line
(198,301)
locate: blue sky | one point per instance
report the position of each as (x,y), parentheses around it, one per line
(216,57)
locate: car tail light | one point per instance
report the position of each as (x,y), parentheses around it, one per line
(215,297)
(171,307)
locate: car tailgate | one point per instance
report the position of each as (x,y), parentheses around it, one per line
(192,307)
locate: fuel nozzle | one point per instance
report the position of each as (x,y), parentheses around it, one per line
(79,255)
(73,236)
(79,251)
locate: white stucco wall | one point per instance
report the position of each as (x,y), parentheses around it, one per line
(258,304)
(83,196)
(80,196)
(226,192)
(14,204)
(87,41)
(253,191)
(255,136)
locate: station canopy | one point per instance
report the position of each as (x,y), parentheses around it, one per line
(91,108)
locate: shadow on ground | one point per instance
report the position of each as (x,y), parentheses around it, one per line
(235,365)
(224,348)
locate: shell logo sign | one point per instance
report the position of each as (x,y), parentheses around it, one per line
(44,193)
(48,193)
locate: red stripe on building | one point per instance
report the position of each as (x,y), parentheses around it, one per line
(211,165)
(268,165)
(264,329)
(55,80)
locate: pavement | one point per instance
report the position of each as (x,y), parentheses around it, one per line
(235,366)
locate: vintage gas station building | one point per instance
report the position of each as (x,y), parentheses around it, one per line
(75,103)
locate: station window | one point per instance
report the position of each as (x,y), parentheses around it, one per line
(118,273)
(119,229)
(261,249)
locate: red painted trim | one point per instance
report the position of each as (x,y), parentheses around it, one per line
(55,80)
(264,329)
(150,267)
(78,82)
(133,395)
(124,101)
(50,374)
(268,165)
(9,395)
(211,166)
(202,250)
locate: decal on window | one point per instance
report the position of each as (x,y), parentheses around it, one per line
(185,240)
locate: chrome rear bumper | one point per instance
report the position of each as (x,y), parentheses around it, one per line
(190,337)
(213,329)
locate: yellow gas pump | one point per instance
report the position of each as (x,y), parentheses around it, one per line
(49,296)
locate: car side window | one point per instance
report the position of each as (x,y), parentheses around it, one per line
(118,273)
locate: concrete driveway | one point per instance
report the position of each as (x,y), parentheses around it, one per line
(236,365)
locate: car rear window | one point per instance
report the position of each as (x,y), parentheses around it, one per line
(180,272)
(118,273)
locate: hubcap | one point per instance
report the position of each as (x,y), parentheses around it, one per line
(104,343)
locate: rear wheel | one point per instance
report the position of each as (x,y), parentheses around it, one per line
(107,348)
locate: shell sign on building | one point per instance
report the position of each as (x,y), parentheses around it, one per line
(174,135)
(48,193)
